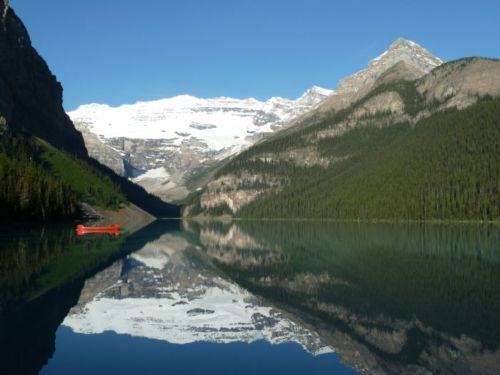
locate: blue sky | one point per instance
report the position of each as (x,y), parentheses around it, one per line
(123,51)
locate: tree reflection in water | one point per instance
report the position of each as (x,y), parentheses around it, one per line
(390,298)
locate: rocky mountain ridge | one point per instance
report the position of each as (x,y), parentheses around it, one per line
(403,60)
(413,55)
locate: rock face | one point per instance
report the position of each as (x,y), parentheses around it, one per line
(99,151)
(30,96)
(416,58)
(227,191)
(460,83)
(166,143)
(403,60)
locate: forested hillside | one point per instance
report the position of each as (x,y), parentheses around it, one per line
(41,182)
(445,167)
(28,191)
(427,149)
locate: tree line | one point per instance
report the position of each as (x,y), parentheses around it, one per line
(40,182)
(27,190)
(446,167)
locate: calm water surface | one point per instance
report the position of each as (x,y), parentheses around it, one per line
(252,298)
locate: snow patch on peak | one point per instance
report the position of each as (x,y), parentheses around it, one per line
(231,119)
(92,107)
(401,48)
(322,90)
(379,57)
(402,42)
(278,99)
(316,90)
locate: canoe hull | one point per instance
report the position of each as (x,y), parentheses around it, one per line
(82,229)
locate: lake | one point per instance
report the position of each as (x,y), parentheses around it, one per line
(252,297)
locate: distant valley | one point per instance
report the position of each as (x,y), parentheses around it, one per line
(390,142)
(169,145)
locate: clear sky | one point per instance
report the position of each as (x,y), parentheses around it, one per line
(123,51)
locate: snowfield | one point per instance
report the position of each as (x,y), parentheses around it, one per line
(218,122)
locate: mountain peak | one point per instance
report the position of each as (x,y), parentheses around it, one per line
(418,61)
(314,96)
(320,91)
(402,42)
(316,91)
(410,52)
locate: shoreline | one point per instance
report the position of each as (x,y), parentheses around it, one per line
(365,221)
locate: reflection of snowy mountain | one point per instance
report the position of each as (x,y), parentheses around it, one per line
(160,293)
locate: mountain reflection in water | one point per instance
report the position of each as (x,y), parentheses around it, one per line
(386,298)
(169,291)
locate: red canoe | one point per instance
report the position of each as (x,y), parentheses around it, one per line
(82,229)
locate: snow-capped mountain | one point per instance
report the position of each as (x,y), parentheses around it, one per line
(159,293)
(171,146)
(162,143)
